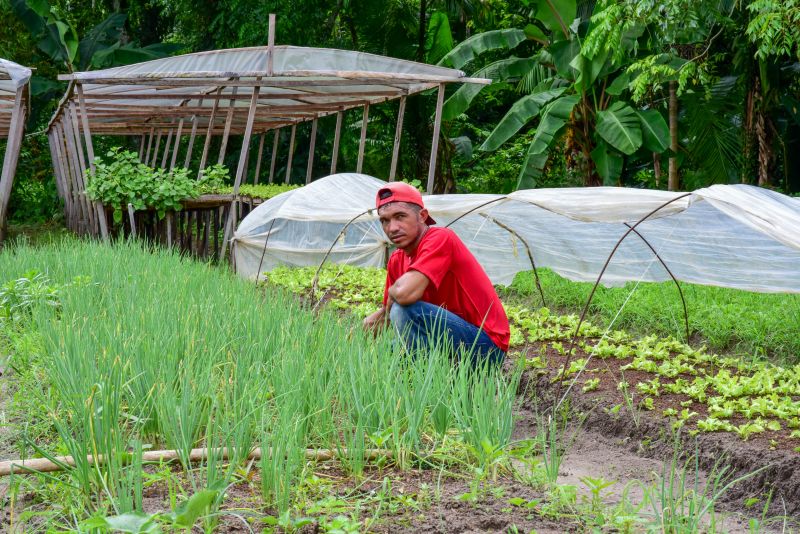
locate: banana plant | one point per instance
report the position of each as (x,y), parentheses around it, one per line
(576,97)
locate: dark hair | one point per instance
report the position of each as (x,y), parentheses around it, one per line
(416,207)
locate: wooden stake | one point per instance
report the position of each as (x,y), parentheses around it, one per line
(291,153)
(152,162)
(335,156)
(177,145)
(310,166)
(149,145)
(77,148)
(437,123)
(166,150)
(43,465)
(228,121)
(101,212)
(274,155)
(132,219)
(209,131)
(189,148)
(398,132)
(363,141)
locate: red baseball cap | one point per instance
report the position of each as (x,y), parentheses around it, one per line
(400,192)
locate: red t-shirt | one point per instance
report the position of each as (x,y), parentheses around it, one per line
(458,283)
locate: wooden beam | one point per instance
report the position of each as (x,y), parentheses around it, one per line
(166,149)
(149,145)
(335,156)
(101,212)
(227,132)
(11,156)
(80,166)
(312,144)
(398,132)
(291,154)
(190,147)
(274,155)
(437,124)
(363,141)
(207,142)
(177,145)
(153,160)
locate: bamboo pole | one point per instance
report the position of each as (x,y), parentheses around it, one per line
(310,166)
(274,155)
(398,132)
(43,465)
(437,124)
(87,134)
(363,141)
(291,154)
(335,157)
(258,158)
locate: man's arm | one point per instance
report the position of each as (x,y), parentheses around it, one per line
(409,288)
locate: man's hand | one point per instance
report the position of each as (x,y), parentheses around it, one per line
(409,288)
(375,321)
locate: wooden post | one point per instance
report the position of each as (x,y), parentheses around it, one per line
(149,145)
(101,212)
(153,160)
(363,141)
(209,131)
(311,146)
(228,120)
(58,161)
(77,205)
(398,132)
(177,145)
(11,156)
(270,43)
(335,156)
(141,146)
(166,149)
(437,124)
(189,148)
(132,219)
(258,159)
(274,155)
(291,153)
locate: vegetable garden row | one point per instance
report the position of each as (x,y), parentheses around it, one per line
(117,351)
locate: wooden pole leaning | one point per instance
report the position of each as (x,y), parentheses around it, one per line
(258,159)
(228,120)
(11,156)
(152,162)
(437,124)
(142,141)
(166,149)
(80,165)
(209,131)
(101,212)
(362,142)
(66,163)
(336,136)
(274,155)
(177,145)
(149,146)
(189,148)
(310,166)
(398,132)
(291,154)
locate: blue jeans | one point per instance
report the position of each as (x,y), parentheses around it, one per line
(418,322)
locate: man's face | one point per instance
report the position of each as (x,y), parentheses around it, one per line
(401,223)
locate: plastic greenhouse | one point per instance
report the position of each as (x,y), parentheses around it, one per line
(734,236)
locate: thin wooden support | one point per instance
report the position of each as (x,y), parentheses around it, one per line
(149,146)
(72,206)
(363,141)
(310,166)
(274,155)
(398,132)
(80,166)
(228,122)
(142,141)
(101,212)
(152,162)
(189,148)
(209,132)
(258,158)
(291,153)
(177,145)
(437,124)
(336,137)
(270,43)
(206,225)
(166,149)
(169,229)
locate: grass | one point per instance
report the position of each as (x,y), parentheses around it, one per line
(728,320)
(146,347)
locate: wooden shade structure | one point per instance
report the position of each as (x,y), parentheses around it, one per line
(13,106)
(244,91)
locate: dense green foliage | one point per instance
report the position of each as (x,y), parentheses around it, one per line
(735,66)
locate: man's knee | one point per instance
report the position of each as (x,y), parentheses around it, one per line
(400,314)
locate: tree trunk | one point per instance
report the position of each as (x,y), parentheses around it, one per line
(672,181)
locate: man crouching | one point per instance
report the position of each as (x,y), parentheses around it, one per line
(436,291)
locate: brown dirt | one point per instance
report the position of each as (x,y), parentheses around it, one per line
(650,435)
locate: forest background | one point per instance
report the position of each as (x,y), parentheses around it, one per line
(666,94)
